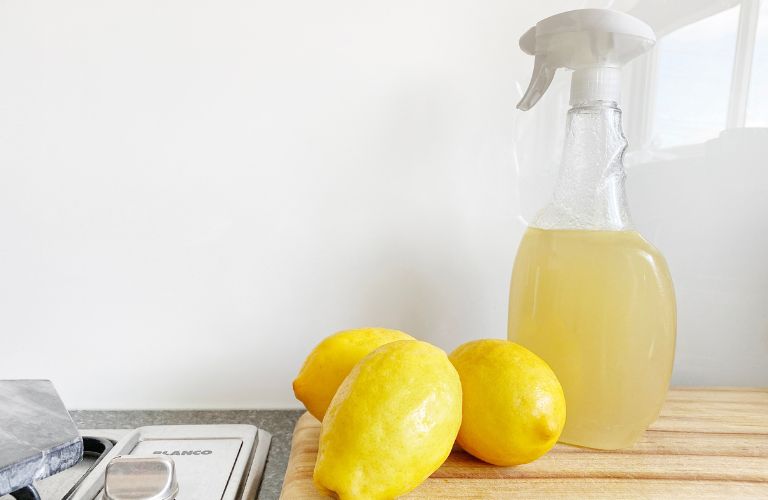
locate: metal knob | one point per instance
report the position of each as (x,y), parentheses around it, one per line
(140,478)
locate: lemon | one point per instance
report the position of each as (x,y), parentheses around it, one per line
(332,360)
(514,408)
(391,424)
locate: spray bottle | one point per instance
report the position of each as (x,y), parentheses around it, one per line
(589,294)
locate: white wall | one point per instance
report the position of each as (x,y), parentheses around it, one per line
(192,194)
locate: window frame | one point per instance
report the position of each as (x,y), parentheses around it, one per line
(644,79)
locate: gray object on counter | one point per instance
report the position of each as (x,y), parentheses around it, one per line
(223,461)
(279,423)
(37,435)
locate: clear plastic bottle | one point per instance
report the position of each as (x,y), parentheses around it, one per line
(591,296)
(588,293)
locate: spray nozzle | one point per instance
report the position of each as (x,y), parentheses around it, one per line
(595,43)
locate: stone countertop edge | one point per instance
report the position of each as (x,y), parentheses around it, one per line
(279,423)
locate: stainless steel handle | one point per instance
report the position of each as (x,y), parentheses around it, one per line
(140,478)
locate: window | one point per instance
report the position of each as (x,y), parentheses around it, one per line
(757,104)
(706,75)
(695,66)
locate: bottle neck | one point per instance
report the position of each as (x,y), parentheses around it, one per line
(589,193)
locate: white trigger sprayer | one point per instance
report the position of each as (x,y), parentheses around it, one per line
(595,43)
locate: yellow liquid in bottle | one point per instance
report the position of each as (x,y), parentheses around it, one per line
(599,308)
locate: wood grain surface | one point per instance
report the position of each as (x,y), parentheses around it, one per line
(707,443)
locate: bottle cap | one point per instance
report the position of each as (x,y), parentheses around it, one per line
(595,43)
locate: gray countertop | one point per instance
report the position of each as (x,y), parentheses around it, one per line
(279,423)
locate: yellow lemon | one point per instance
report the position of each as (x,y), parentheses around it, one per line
(514,408)
(332,360)
(391,424)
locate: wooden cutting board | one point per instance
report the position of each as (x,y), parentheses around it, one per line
(707,443)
